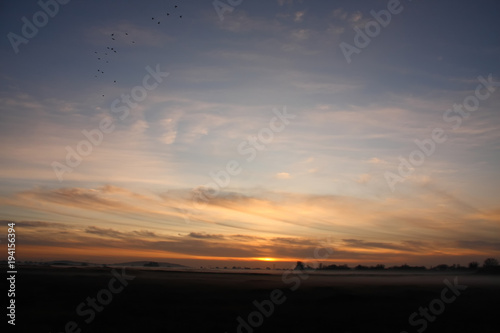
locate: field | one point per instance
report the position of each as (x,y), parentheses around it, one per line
(70,299)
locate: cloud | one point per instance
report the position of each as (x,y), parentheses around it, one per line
(334,30)
(479,245)
(111,233)
(339,13)
(299,16)
(170,131)
(300,34)
(295,241)
(375,160)
(76,197)
(204,235)
(364,178)
(268,223)
(283,175)
(35,224)
(139,127)
(241,22)
(357,243)
(106,203)
(355,17)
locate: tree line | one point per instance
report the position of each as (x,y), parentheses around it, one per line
(490,265)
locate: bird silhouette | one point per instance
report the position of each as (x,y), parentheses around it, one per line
(118,37)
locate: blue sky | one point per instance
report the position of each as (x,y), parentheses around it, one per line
(323,175)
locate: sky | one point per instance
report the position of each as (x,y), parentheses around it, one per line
(251,132)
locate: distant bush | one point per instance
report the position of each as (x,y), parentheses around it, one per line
(152,264)
(490,262)
(473,265)
(335,267)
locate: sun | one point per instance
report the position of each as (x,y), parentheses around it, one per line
(266,259)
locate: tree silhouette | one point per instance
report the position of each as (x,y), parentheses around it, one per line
(300,266)
(473,265)
(490,262)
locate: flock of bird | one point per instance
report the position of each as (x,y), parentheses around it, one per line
(104,56)
(168,14)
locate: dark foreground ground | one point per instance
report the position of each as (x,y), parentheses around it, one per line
(157,301)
